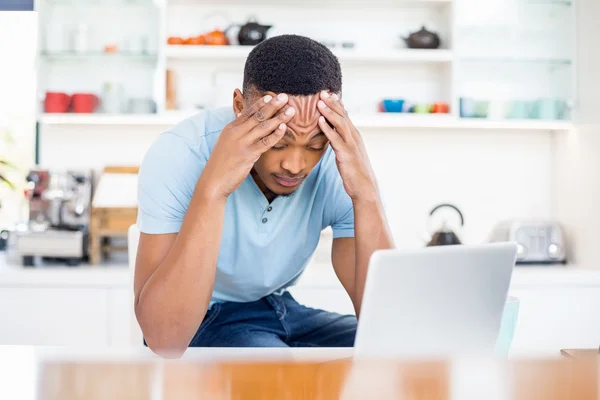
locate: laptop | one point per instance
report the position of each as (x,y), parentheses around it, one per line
(435,302)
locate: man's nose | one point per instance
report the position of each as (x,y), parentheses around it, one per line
(294,163)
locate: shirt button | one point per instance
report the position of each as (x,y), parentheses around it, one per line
(270,208)
(264,220)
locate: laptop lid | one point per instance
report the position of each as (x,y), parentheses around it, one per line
(435,302)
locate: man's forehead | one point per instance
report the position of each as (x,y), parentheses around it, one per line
(307,113)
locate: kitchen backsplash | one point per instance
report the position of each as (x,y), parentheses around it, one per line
(489,175)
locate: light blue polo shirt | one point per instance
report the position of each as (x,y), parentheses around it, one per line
(264,247)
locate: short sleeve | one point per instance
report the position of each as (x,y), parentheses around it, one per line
(167,178)
(343,223)
(339,210)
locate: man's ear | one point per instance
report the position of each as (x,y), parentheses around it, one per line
(238,101)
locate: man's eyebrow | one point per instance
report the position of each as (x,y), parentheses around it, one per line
(290,136)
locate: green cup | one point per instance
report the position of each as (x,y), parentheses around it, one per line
(550,109)
(520,110)
(507,327)
(422,108)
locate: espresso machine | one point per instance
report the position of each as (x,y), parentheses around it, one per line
(59,217)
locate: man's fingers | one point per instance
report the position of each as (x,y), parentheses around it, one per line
(339,121)
(336,99)
(248,112)
(262,110)
(333,101)
(335,139)
(265,128)
(268,141)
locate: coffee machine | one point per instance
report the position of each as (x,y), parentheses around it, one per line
(59,217)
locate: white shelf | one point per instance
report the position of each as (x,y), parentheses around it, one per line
(320,3)
(523,125)
(99,56)
(110,119)
(344,55)
(375,121)
(446,121)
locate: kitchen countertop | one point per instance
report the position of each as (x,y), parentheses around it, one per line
(317,276)
(34,372)
(113,353)
(20,365)
(64,353)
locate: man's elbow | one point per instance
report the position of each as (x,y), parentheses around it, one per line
(162,343)
(165,349)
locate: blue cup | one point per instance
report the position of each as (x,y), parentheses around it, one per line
(393,105)
(507,327)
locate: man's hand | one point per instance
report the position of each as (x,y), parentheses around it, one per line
(242,142)
(350,153)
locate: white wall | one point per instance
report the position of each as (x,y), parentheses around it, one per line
(489,175)
(578,183)
(17,104)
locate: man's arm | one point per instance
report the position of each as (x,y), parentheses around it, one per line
(371,231)
(174,277)
(175,272)
(350,256)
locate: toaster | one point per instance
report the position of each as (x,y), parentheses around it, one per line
(538,242)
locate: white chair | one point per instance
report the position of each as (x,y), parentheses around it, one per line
(133,238)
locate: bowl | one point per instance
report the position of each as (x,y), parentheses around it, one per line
(392,105)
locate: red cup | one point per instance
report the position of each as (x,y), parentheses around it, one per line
(84,103)
(56,102)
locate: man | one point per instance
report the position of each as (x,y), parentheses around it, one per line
(232,202)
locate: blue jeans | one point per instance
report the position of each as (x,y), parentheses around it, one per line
(273,321)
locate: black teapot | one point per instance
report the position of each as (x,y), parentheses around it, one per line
(252,33)
(444,236)
(423,39)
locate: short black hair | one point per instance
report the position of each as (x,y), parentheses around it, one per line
(292,64)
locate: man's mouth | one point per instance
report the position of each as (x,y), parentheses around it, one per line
(288,181)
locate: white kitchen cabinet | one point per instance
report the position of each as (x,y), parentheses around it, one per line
(515,58)
(557,317)
(558,307)
(550,318)
(94,306)
(123,330)
(53,316)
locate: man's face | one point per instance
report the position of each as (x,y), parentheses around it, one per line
(285,166)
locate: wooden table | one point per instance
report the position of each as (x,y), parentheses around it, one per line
(551,379)
(579,354)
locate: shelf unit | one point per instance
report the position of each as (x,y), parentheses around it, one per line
(388,68)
